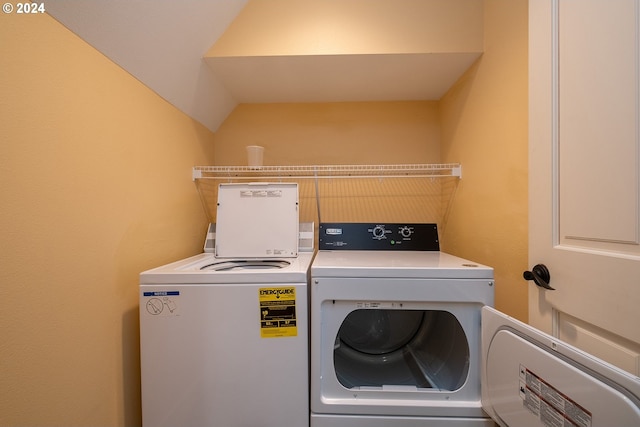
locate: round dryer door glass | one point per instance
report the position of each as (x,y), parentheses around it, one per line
(378,332)
(424,349)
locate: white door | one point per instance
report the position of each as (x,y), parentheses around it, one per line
(531,379)
(584,219)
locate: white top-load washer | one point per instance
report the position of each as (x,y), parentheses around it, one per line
(224,337)
(403,335)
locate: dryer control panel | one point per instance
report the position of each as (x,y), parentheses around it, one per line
(378,236)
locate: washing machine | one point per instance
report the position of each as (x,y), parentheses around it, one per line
(224,334)
(404,335)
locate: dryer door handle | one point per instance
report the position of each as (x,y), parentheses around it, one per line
(540,276)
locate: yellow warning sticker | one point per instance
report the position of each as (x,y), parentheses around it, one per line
(278,312)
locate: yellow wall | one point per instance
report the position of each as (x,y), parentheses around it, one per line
(330,27)
(481,123)
(332,133)
(95,174)
(363,133)
(95,187)
(484,126)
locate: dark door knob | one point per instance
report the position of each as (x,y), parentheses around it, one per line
(540,276)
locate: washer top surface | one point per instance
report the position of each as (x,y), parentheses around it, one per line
(205,268)
(397,264)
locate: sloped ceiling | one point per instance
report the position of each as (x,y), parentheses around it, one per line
(161,43)
(206,56)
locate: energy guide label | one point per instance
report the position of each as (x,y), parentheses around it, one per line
(278,312)
(548,404)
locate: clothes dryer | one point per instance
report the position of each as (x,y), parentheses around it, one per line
(400,336)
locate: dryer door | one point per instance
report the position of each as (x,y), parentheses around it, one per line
(532,379)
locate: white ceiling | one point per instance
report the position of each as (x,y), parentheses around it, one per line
(163,43)
(339,78)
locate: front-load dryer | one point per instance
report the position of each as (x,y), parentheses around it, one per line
(403,335)
(395,328)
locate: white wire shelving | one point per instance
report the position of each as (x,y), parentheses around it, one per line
(328,171)
(352,193)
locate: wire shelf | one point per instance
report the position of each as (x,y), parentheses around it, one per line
(328,171)
(351,193)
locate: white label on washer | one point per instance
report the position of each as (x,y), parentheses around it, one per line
(260,193)
(161,303)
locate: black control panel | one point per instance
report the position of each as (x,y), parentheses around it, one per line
(378,236)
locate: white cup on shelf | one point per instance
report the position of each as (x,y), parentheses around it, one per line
(255,154)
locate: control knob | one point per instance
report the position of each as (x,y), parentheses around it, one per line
(379,232)
(406,231)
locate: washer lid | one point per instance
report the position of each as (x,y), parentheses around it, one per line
(257,220)
(530,379)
